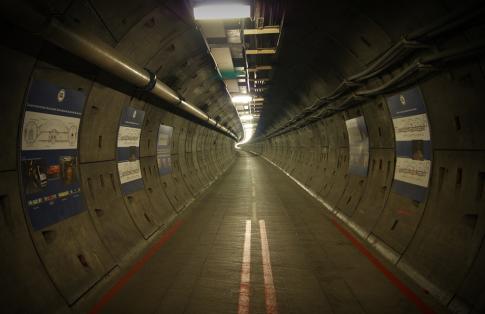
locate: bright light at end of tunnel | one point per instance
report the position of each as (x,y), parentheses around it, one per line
(241,99)
(222,11)
(247,117)
(248,134)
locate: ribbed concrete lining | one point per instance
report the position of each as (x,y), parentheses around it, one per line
(440,244)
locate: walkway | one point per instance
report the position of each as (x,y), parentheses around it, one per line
(257,243)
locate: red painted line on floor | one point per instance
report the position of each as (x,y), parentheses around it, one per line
(269,290)
(135,268)
(408,293)
(244,288)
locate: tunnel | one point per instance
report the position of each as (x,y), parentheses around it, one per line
(242,156)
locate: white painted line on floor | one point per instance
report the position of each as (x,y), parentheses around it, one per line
(253,189)
(253,206)
(244,288)
(255,216)
(253,199)
(269,290)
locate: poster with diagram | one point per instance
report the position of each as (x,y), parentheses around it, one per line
(413,144)
(358,146)
(49,154)
(128,150)
(164,144)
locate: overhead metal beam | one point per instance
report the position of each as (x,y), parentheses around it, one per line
(259,85)
(260,68)
(261,51)
(225,45)
(263,31)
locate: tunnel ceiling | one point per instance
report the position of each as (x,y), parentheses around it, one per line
(243,50)
(322,44)
(325,42)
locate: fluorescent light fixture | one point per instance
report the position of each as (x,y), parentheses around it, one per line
(241,99)
(247,117)
(222,11)
(246,107)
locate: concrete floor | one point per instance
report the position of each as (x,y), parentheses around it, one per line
(197,265)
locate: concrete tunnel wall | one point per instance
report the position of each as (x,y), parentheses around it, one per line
(48,270)
(438,242)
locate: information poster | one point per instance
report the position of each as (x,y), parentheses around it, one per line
(164,145)
(358,146)
(49,154)
(128,150)
(413,144)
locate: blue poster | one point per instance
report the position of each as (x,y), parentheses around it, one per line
(128,150)
(164,145)
(49,154)
(358,146)
(413,144)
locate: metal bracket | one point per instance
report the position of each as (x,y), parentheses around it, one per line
(151,84)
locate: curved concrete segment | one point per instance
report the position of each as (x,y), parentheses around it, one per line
(113,200)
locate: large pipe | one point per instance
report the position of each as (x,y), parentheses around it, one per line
(107,58)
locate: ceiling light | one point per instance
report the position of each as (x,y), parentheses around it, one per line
(241,99)
(222,11)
